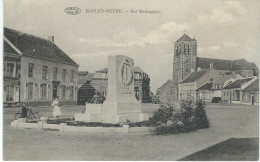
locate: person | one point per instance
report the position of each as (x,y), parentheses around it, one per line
(24,111)
(56,108)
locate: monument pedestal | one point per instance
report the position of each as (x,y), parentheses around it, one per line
(120,104)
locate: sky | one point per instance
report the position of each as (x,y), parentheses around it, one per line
(223,29)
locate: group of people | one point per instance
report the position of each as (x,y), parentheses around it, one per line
(56,109)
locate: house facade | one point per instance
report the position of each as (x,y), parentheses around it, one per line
(46,71)
(237,92)
(12,74)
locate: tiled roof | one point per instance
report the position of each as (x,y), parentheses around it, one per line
(192,77)
(37,47)
(9,49)
(253,87)
(207,86)
(218,64)
(184,38)
(237,83)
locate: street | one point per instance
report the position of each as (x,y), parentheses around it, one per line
(227,122)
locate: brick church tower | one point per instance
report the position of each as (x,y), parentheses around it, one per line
(184,58)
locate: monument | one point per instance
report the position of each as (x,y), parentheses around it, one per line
(120,104)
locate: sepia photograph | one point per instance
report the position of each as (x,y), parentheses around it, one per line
(130,80)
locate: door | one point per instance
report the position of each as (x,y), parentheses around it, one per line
(54,93)
(16,94)
(252,99)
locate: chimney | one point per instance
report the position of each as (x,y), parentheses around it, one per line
(199,69)
(51,38)
(211,65)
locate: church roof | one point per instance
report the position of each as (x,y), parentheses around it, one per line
(184,38)
(36,47)
(192,77)
(220,64)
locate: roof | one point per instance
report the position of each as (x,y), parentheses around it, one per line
(237,83)
(184,38)
(218,64)
(82,72)
(37,47)
(9,49)
(207,86)
(223,78)
(192,77)
(138,70)
(253,86)
(105,70)
(84,78)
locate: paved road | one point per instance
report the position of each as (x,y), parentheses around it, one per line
(226,122)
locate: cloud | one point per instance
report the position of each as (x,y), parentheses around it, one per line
(226,13)
(163,34)
(209,49)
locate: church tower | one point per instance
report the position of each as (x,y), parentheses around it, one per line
(185,57)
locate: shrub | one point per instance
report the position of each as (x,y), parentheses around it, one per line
(216,100)
(192,116)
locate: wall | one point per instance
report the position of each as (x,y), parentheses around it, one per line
(37,79)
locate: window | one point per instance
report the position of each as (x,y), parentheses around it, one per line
(9,93)
(44,91)
(9,69)
(189,49)
(71,91)
(64,71)
(72,76)
(55,73)
(31,70)
(36,91)
(63,92)
(29,90)
(224,93)
(45,72)
(137,92)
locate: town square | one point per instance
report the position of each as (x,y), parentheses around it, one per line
(157,84)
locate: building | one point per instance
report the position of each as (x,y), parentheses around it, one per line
(233,92)
(85,90)
(250,95)
(12,74)
(185,61)
(141,84)
(203,79)
(164,93)
(46,71)
(214,88)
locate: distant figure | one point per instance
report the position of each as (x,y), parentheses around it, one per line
(24,111)
(56,109)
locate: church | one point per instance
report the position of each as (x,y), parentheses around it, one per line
(186,61)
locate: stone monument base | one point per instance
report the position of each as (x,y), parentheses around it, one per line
(125,112)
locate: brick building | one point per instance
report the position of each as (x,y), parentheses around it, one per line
(45,70)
